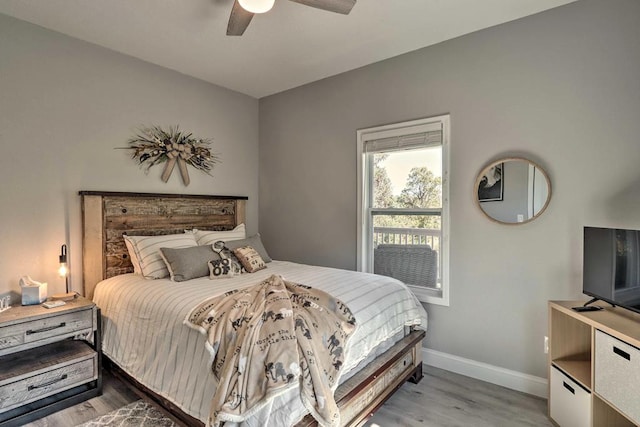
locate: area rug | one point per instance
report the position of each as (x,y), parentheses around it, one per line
(136,414)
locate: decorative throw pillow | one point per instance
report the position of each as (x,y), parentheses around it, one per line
(188,263)
(204,237)
(226,253)
(254,241)
(223,268)
(250,259)
(147,251)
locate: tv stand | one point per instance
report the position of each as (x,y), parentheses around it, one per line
(595,299)
(594,361)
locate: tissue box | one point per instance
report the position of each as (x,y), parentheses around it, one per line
(34,294)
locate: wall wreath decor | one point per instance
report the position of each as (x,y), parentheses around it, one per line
(153,145)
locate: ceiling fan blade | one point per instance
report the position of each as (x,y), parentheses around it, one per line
(238,20)
(338,6)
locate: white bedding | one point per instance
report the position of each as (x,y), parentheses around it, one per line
(143,330)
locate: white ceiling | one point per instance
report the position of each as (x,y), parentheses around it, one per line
(287,47)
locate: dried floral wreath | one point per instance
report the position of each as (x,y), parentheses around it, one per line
(153,145)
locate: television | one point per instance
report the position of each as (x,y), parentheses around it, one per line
(611,268)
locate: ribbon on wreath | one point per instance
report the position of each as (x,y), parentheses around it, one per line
(177,153)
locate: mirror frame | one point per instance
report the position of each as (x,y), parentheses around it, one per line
(502,160)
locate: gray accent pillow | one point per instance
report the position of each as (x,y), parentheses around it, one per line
(146,251)
(254,241)
(188,263)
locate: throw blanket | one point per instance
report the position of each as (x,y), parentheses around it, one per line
(272,337)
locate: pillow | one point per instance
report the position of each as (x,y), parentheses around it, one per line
(250,259)
(204,237)
(147,251)
(225,253)
(254,241)
(188,263)
(133,257)
(223,268)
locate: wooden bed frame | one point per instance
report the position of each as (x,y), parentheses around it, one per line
(106,216)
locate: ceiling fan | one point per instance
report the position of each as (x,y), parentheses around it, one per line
(243,11)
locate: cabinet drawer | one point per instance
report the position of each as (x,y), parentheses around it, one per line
(47,382)
(617,368)
(35,332)
(570,404)
(365,399)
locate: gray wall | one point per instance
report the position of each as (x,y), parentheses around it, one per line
(65,105)
(561,88)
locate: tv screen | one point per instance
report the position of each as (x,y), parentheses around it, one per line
(611,269)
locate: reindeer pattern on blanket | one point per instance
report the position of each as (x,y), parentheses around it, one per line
(270,338)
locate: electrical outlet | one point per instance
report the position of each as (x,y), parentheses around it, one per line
(546,344)
(520,218)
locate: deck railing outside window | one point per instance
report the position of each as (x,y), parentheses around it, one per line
(406,236)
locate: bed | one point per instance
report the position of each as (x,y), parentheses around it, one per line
(145,342)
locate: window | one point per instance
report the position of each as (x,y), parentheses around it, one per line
(403,204)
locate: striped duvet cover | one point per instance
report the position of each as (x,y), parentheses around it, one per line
(143,330)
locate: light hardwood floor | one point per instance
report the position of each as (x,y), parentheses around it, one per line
(442,399)
(445,399)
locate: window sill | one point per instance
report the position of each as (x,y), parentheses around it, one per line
(430,296)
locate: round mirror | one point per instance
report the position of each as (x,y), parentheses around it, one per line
(513,190)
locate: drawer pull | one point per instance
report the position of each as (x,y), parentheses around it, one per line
(50,328)
(621,353)
(48,383)
(568,387)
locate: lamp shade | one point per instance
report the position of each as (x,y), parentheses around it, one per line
(256,6)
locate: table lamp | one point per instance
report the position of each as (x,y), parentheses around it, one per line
(63,271)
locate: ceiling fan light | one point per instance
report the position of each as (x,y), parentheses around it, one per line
(256,6)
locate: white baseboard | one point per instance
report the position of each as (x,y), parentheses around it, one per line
(514,380)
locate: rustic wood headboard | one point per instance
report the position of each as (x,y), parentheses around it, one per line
(106,216)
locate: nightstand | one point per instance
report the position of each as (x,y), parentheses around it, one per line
(49,359)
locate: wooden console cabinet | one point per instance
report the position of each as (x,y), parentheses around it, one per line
(49,359)
(594,366)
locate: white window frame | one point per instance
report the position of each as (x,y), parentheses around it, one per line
(365,230)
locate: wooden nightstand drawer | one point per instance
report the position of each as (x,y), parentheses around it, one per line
(34,374)
(49,359)
(33,332)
